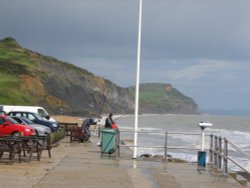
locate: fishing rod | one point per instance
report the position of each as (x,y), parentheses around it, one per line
(123,115)
(104,102)
(148,102)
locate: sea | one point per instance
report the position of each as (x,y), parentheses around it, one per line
(184,132)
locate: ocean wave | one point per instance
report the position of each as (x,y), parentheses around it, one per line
(236,130)
(160,131)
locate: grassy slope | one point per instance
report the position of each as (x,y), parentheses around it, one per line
(14,61)
(163,96)
(21,73)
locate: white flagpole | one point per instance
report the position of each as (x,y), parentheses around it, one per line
(137,81)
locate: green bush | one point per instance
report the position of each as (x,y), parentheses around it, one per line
(57,135)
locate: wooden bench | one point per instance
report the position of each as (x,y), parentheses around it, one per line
(12,146)
(67,126)
(76,134)
(36,145)
(23,144)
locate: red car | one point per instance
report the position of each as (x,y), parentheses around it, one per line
(9,126)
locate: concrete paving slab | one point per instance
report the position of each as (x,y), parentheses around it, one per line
(77,165)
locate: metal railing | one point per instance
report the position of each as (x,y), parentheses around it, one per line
(165,146)
(218,149)
(219,154)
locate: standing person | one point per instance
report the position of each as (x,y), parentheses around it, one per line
(85,128)
(109,121)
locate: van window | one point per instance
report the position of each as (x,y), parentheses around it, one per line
(42,113)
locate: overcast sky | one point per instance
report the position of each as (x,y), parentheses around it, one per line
(201,47)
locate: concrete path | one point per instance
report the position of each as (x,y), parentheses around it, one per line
(76,165)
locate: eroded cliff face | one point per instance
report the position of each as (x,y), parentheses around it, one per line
(63,88)
(81,91)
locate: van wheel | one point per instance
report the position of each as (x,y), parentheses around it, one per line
(16,134)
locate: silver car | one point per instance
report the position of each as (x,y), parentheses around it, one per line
(41,130)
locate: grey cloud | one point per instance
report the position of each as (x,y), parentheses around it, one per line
(189,44)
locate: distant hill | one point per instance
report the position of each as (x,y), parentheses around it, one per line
(30,78)
(231,112)
(163,98)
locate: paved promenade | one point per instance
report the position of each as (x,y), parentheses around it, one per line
(76,165)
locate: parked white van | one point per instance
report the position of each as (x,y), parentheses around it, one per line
(35,109)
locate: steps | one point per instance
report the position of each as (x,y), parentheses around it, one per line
(242,177)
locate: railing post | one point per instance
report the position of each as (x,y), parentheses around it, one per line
(215,150)
(217,153)
(166,145)
(225,163)
(211,160)
(117,143)
(99,131)
(220,153)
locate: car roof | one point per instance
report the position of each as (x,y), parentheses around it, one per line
(22,112)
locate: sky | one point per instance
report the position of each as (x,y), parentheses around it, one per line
(200,47)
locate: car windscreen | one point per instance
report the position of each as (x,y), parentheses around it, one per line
(17,119)
(37,116)
(12,120)
(26,120)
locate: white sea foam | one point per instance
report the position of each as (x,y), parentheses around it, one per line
(234,129)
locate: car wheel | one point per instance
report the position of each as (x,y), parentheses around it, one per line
(16,134)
